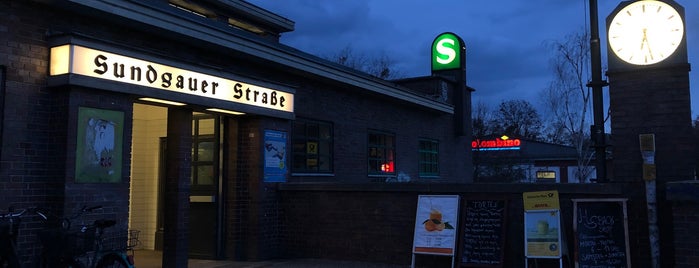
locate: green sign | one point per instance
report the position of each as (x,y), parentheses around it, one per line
(447,50)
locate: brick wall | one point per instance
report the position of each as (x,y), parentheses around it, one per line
(686,217)
(653,101)
(353,114)
(657,102)
(38,167)
(375,222)
(684,198)
(369,226)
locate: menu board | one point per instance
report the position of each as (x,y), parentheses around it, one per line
(601,231)
(483,233)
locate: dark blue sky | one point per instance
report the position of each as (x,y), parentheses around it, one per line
(507,56)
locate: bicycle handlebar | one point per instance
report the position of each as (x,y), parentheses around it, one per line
(11,214)
(90,209)
(65,222)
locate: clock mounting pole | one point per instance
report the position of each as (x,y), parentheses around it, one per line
(597,129)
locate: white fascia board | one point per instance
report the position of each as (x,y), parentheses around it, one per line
(144,13)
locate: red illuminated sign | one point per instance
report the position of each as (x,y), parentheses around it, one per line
(387,167)
(497,144)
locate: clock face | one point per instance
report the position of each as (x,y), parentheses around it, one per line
(645,32)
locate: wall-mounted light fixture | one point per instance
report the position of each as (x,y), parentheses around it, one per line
(163,101)
(224,111)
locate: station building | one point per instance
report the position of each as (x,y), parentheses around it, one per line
(512,159)
(184,118)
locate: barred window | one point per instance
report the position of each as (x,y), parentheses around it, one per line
(312,146)
(429,158)
(381,153)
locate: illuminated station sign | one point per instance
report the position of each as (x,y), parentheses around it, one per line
(447,52)
(497,144)
(74,59)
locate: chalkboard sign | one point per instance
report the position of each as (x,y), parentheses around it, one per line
(601,233)
(483,233)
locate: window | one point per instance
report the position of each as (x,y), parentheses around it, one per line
(381,153)
(312,147)
(546,175)
(429,158)
(204,151)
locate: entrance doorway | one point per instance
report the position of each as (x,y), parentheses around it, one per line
(148,168)
(205,197)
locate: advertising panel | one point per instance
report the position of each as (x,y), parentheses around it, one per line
(542,234)
(435,224)
(275,156)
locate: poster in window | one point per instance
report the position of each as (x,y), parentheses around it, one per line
(275,156)
(99,145)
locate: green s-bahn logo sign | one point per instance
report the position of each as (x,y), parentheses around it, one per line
(447,50)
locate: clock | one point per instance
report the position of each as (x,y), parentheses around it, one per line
(645,32)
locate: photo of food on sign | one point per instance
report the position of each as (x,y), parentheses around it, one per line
(542,227)
(435,223)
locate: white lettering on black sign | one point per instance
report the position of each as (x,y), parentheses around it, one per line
(483,232)
(601,235)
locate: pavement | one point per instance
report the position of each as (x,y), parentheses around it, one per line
(153,259)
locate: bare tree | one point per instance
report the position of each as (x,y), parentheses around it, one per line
(481,127)
(380,65)
(349,58)
(518,118)
(482,121)
(567,99)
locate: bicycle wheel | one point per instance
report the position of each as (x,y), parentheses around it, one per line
(112,261)
(67,264)
(9,264)
(59,262)
(10,261)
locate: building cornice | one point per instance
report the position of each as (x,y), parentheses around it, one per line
(150,14)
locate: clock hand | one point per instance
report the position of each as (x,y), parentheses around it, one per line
(644,40)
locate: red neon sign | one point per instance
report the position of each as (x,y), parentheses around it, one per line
(496,143)
(387,167)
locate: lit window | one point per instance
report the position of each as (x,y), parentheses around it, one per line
(429,158)
(381,153)
(192,8)
(546,175)
(312,147)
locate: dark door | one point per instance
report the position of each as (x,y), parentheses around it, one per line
(204,198)
(205,205)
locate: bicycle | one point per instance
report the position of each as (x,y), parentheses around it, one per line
(84,247)
(9,228)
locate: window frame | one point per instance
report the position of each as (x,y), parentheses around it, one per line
(423,162)
(200,138)
(388,153)
(304,154)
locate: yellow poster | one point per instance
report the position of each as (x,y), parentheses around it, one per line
(542,234)
(541,200)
